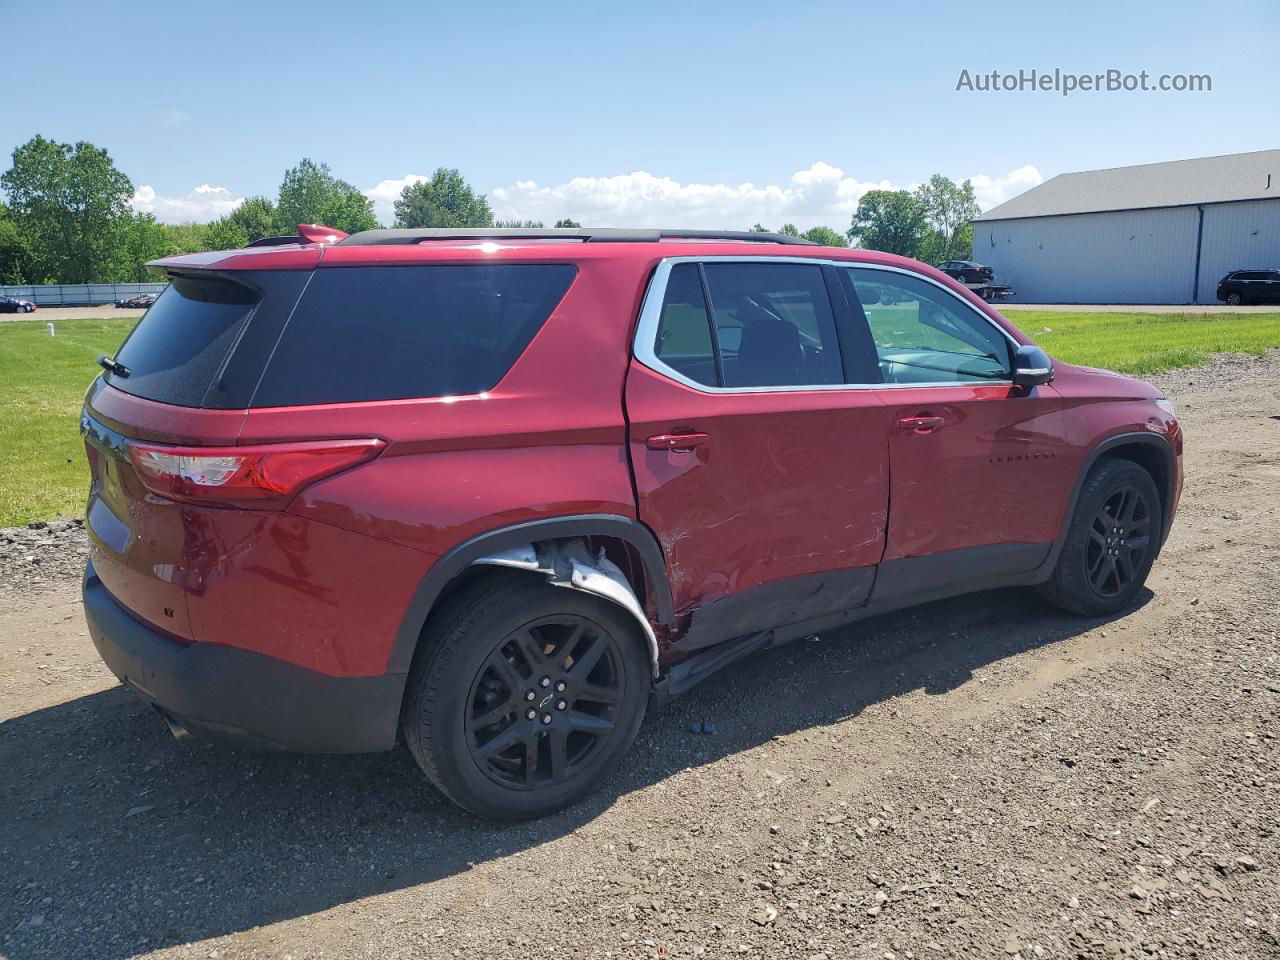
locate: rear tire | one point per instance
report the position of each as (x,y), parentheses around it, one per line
(524,696)
(1114,536)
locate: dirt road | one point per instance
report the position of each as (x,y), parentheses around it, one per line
(978,778)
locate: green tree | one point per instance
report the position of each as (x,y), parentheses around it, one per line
(310,193)
(70,204)
(949,208)
(825,236)
(15,255)
(140,239)
(890,220)
(257,217)
(519,224)
(569,224)
(759,228)
(185,237)
(790,230)
(225,234)
(446,200)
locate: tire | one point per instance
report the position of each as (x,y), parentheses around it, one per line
(1234,299)
(497,652)
(1114,537)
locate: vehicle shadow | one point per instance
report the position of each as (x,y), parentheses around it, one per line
(119,840)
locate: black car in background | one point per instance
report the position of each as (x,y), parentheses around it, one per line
(137,303)
(1250,286)
(14,305)
(966,271)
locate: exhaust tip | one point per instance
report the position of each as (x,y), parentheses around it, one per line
(180,733)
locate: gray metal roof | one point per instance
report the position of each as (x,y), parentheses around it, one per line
(1177,183)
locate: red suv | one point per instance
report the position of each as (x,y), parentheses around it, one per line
(501,490)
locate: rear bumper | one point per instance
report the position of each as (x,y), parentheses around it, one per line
(230,694)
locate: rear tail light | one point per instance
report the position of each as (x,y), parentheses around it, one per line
(264,476)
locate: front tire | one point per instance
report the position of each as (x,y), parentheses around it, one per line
(1234,299)
(524,696)
(1114,536)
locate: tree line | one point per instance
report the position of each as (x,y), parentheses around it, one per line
(67,216)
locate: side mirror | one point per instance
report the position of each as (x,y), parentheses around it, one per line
(1031,367)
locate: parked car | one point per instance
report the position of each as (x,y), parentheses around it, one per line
(501,492)
(966,271)
(14,305)
(1250,286)
(141,302)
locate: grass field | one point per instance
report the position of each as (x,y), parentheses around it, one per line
(43,473)
(42,382)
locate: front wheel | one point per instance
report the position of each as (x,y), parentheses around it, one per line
(1112,541)
(525,696)
(1234,299)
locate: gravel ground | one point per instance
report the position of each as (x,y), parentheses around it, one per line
(981,777)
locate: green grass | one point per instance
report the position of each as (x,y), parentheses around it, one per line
(43,473)
(1146,343)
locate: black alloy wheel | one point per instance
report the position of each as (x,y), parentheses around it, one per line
(544,702)
(1119,539)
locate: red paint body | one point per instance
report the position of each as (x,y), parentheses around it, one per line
(788,484)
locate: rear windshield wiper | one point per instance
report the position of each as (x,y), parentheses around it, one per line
(113,366)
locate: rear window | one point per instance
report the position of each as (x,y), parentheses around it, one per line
(387,333)
(177,347)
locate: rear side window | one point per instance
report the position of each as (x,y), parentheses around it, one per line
(684,333)
(774,324)
(387,333)
(179,344)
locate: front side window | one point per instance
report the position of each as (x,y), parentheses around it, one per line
(924,334)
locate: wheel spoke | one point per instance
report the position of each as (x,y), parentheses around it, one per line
(503,741)
(595,693)
(1124,569)
(1103,574)
(1099,538)
(1131,500)
(583,665)
(492,715)
(589,722)
(505,671)
(531,650)
(558,740)
(530,758)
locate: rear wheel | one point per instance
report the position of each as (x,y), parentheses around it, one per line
(525,696)
(1112,542)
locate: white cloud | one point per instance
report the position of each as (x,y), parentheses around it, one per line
(993,191)
(384,195)
(202,204)
(821,195)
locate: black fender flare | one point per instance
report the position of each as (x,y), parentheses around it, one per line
(1108,444)
(627,529)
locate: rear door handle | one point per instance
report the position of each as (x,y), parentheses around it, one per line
(921,424)
(676,441)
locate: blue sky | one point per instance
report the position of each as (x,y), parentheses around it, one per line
(700,113)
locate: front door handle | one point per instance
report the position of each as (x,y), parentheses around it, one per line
(921,423)
(676,441)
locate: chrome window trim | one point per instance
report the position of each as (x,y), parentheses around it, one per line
(643,345)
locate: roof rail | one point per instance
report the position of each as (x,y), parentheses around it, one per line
(371,238)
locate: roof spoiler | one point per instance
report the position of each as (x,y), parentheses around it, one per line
(307,233)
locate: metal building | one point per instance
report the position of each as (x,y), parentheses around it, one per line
(1156,233)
